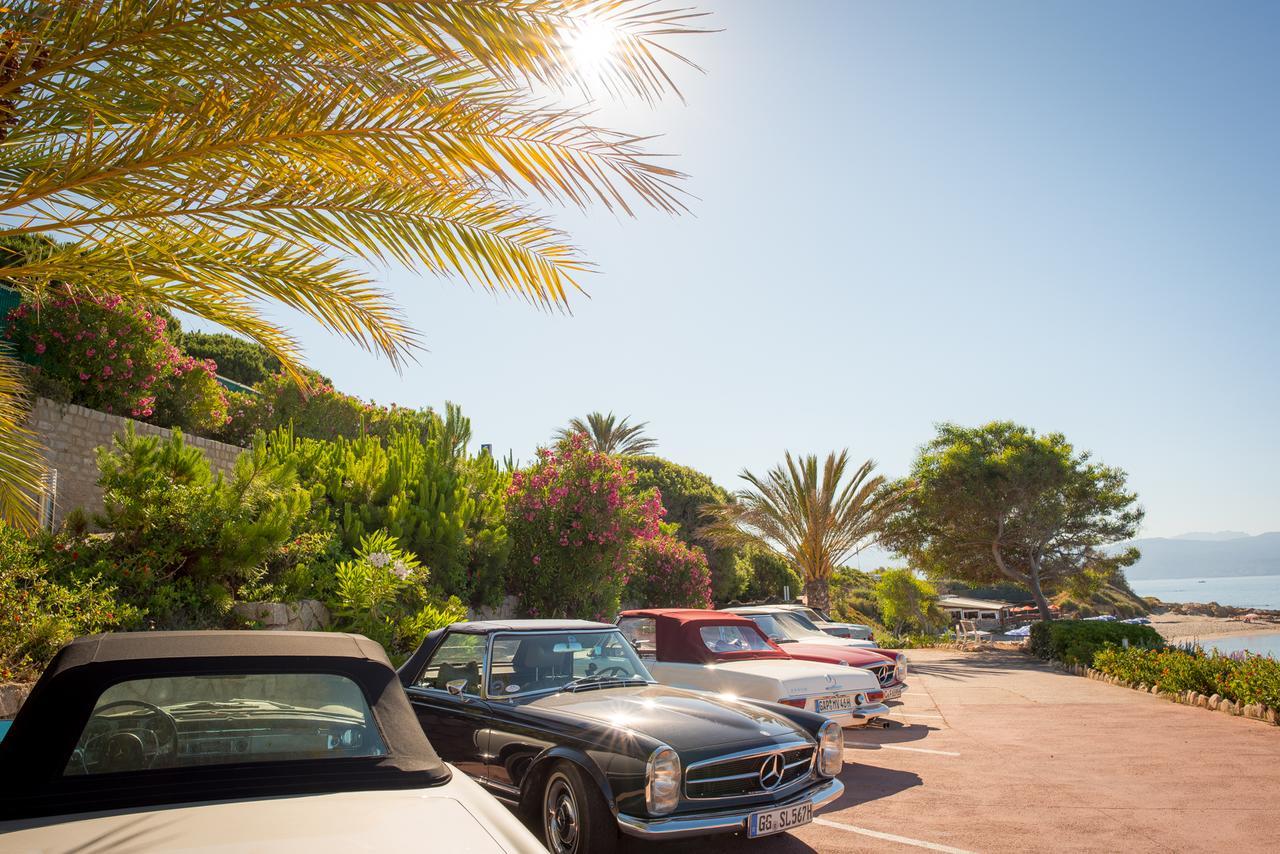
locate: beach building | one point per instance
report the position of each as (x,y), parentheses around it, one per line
(985,614)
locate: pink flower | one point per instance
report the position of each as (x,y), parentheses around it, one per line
(84,378)
(40,347)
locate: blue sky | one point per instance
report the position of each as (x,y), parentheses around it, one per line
(1063,214)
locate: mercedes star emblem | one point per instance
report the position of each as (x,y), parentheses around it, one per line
(771,772)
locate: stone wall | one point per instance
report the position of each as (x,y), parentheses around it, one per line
(71,435)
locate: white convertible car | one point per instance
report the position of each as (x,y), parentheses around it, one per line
(729,655)
(782,621)
(234,741)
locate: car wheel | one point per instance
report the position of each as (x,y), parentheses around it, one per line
(575,818)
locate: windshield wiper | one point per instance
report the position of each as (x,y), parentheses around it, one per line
(601,682)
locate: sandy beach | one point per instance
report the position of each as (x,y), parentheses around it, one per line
(1180,627)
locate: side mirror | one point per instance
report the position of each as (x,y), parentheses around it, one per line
(455,686)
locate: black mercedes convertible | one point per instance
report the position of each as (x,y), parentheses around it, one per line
(562,719)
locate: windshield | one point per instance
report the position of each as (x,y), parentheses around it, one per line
(183,721)
(721,639)
(797,626)
(777,632)
(547,661)
(811,615)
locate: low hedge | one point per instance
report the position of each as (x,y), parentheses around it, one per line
(1077,641)
(1239,678)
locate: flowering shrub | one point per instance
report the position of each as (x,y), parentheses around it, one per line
(573,518)
(1241,678)
(666,573)
(38,614)
(98,352)
(108,354)
(382,595)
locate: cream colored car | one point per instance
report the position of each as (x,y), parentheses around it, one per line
(234,741)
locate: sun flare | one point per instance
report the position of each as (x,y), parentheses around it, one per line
(592,43)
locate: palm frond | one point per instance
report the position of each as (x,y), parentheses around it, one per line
(608,435)
(22,466)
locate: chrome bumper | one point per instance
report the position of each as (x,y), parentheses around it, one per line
(728,821)
(866,713)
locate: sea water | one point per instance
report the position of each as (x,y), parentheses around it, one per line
(1257,644)
(1252,591)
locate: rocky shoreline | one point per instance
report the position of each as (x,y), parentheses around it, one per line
(1207,609)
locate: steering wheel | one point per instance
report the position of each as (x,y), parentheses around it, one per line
(127,746)
(612,670)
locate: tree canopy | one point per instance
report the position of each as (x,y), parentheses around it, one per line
(815,518)
(1001,502)
(608,435)
(229,157)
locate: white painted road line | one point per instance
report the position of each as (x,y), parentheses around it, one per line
(916,715)
(866,744)
(889,837)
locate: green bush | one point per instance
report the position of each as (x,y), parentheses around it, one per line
(1238,677)
(440,503)
(382,595)
(41,614)
(767,575)
(1076,641)
(181,542)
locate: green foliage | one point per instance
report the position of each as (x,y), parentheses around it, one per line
(246,362)
(1076,641)
(999,502)
(315,410)
(853,597)
(382,595)
(686,494)
(666,573)
(1240,678)
(764,574)
(181,541)
(41,614)
(575,518)
(422,488)
(888,640)
(907,603)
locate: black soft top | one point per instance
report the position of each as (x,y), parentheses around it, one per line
(35,751)
(411,669)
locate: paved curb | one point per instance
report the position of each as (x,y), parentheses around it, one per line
(1214,703)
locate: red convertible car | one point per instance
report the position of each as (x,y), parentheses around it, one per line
(889,666)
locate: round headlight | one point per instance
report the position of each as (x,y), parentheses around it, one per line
(662,781)
(830,749)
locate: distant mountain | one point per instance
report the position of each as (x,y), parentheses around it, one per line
(1188,557)
(1212,536)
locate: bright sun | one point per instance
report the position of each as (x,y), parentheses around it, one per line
(592,43)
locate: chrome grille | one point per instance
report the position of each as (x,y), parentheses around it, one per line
(883,672)
(739,775)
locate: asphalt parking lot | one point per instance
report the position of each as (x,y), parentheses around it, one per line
(997,752)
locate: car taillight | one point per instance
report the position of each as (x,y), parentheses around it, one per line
(786,701)
(875,696)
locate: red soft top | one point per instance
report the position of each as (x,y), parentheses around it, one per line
(678,638)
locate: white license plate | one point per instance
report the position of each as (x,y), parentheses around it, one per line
(778,821)
(838,703)
(893,693)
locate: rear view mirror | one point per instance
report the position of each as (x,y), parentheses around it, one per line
(571,646)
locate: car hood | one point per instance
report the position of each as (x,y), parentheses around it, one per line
(803,678)
(682,719)
(851,655)
(832,640)
(461,816)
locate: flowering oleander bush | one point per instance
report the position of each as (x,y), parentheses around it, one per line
(666,573)
(38,614)
(99,352)
(1241,678)
(382,595)
(573,518)
(108,354)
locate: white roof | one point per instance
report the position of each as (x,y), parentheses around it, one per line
(971,604)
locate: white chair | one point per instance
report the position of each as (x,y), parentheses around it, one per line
(967,631)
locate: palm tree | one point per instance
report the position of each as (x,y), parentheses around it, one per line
(608,435)
(223,157)
(817,521)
